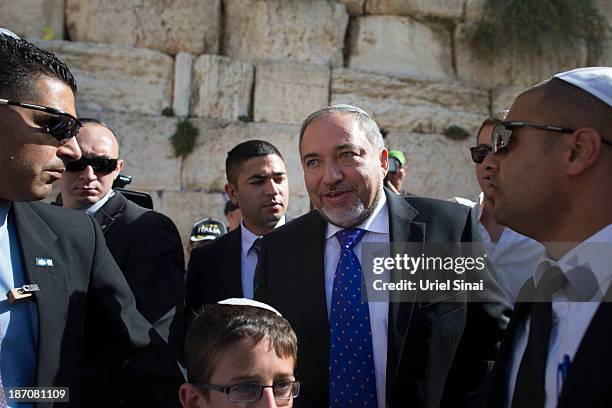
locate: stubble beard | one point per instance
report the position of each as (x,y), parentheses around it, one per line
(351,214)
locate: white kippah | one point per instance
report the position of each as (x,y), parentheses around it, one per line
(9,33)
(595,80)
(249,302)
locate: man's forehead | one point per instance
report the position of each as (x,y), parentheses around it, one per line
(96,138)
(263,164)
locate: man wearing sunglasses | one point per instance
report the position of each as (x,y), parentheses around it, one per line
(514,257)
(552,182)
(59,286)
(145,244)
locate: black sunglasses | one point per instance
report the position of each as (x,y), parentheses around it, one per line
(62,126)
(480,152)
(502,133)
(98,164)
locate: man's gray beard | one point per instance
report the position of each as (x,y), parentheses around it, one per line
(349,216)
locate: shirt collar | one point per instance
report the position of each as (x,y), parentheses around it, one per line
(95,207)
(594,253)
(377,222)
(248,237)
(5,207)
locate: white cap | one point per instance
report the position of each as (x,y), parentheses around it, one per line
(249,302)
(595,80)
(9,33)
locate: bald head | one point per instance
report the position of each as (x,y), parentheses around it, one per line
(81,189)
(563,104)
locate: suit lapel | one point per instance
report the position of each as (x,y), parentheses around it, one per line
(401,229)
(232,256)
(38,241)
(109,212)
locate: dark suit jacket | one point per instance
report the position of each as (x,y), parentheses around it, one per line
(437,353)
(214,272)
(589,379)
(84,296)
(147,247)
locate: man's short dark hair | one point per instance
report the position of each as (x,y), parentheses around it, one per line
(243,152)
(22,64)
(219,326)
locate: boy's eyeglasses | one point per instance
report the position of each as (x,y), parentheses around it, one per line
(250,392)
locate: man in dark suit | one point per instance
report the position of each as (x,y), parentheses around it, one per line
(381,354)
(257,182)
(145,244)
(76,292)
(551,181)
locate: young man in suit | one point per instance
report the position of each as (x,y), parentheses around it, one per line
(257,182)
(145,244)
(384,354)
(80,293)
(551,182)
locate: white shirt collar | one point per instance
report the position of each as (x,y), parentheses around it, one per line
(377,222)
(594,253)
(248,237)
(5,207)
(95,207)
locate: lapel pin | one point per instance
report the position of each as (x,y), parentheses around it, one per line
(21,293)
(44,262)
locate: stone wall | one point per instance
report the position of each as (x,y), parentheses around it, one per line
(243,69)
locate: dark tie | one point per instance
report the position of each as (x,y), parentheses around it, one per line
(256,246)
(352,379)
(530,380)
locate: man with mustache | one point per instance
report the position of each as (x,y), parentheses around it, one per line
(257,183)
(145,244)
(59,285)
(369,354)
(551,182)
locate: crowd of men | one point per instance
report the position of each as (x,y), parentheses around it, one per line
(94,296)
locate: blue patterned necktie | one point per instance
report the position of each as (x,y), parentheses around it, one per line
(352,380)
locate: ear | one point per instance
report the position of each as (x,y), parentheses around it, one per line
(232,192)
(384,161)
(120,165)
(190,396)
(585,147)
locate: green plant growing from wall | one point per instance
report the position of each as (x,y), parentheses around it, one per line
(184,138)
(454,132)
(522,28)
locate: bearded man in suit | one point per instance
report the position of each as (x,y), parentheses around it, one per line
(376,354)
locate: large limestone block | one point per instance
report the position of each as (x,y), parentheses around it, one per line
(144,144)
(419,106)
(450,9)
(187,207)
(605,59)
(205,167)
(33,18)
(289,92)
(474,10)
(354,7)
(510,69)
(310,31)
(437,166)
(170,26)
(400,46)
(117,78)
(221,88)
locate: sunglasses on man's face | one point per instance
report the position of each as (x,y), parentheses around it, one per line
(61,125)
(502,133)
(480,152)
(98,164)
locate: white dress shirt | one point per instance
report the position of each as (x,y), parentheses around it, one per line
(570,319)
(248,258)
(377,230)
